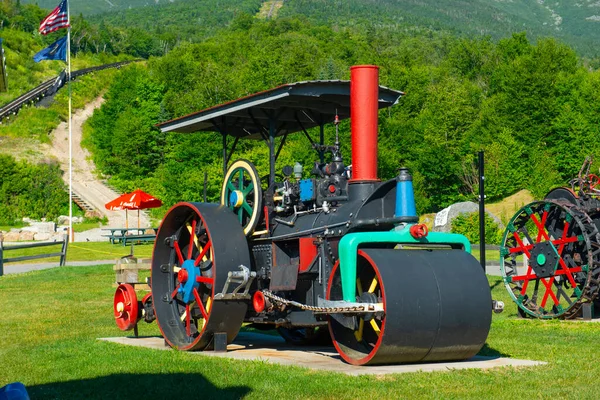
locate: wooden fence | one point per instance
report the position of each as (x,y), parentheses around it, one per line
(62,254)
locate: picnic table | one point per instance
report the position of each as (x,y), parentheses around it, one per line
(124,235)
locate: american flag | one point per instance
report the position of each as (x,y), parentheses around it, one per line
(57,19)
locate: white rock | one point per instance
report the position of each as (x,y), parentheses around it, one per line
(12,236)
(26,236)
(443,219)
(42,236)
(44,227)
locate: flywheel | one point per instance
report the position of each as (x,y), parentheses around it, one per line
(549,259)
(242,194)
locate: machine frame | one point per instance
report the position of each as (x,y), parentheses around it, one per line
(340,249)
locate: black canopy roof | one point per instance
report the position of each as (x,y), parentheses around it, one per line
(290,108)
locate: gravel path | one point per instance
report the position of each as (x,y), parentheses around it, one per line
(85,183)
(21,268)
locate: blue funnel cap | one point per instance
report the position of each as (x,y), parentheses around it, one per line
(405,196)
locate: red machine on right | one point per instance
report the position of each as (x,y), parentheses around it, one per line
(550,253)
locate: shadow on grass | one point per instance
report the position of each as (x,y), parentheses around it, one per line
(495,284)
(487,351)
(134,386)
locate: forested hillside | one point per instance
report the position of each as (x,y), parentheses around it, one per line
(160,28)
(575,22)
(533,108)
(532,105)
(88,7)
(30,184)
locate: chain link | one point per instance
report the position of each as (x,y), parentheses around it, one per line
(325,310)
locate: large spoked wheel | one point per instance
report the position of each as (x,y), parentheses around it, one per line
(197,245)
(560,247)
(241,193)
(437,307)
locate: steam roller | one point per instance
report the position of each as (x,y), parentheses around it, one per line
(550,253)
(333,256)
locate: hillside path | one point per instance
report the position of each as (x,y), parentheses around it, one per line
(85,183)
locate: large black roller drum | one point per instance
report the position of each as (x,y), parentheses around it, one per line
(437,307)
(197,245)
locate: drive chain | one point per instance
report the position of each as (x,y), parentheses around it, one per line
(325,310)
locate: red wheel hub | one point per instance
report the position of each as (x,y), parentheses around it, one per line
(182,275)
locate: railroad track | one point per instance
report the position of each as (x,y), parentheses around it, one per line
(50,87)
(30,97)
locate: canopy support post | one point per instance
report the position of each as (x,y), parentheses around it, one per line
(280,146)
(235,141)
(271,150)
(322,142)
(224,153)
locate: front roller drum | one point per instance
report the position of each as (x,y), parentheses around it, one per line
(197,245)
(437,307)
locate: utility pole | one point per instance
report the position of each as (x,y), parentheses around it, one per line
(481,212)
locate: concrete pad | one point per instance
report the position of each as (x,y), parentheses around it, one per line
(273,349)
(593,320)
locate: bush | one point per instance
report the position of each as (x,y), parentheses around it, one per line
(30,190)
(468,225)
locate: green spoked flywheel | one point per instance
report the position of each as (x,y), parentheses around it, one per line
(549,259)
(241,192)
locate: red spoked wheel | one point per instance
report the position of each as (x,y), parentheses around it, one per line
(197,245)
(358,338)
(125,307)
(559,245)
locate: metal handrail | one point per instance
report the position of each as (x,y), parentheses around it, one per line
(51,86)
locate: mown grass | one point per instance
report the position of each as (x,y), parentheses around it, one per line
(7,228)
(81,251)
(92,251)
(88,224)
(51,321)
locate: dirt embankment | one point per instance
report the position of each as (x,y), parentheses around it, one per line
(85,182)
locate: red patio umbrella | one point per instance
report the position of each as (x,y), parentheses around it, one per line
(136,200)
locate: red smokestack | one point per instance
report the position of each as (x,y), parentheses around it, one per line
(364,104)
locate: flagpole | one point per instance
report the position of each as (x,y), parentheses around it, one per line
(72,234)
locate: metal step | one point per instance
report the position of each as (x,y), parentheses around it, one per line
(85,206)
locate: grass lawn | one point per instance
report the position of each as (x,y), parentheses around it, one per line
(82,251)
(87,225)
(52,318)
(92,251)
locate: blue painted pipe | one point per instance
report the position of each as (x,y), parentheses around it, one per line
(405,195)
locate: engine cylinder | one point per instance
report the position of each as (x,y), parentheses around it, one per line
(364,94)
